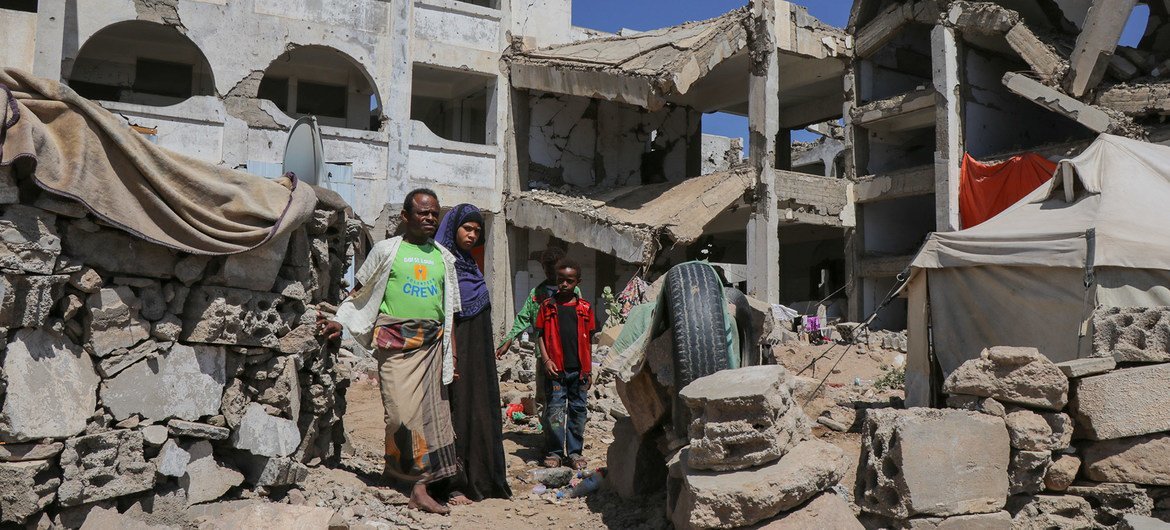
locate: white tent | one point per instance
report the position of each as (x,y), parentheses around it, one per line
(1097,234)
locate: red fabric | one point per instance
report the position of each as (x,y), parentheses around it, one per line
(987,189)
(477,254)
(550,333)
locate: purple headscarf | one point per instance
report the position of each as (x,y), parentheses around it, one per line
(472,286)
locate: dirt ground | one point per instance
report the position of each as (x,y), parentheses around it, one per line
(848,375)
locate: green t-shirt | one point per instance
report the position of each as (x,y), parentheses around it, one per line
(415,287)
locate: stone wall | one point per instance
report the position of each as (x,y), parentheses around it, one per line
(130,370)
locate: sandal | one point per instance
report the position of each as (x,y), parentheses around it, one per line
(552,461)
(579,462)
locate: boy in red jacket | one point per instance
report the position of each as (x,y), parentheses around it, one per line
(565,325)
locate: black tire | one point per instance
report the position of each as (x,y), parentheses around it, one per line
(695,301)
(749,332)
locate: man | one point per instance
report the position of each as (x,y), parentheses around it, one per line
(402,307)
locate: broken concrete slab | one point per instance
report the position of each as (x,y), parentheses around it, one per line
(978,521)
(1026,471)
(205,478)
(114,321)
(265,435)
(28,240)
(263,471)
(135,256)
(738,498)
(1044,431)
(25,301)
(222,315)
(1100,32)
(742,418)
(1061,472)
(635,464)
(1113,501)
(1132,334)
(190,429)
(827,510)
(172,460)
(933,462)
(1141,522)
(12,452)
(270,515)
(1039,55)
(1140,460)
(116,362)
(26,488)
(103,466)
(644,399)
(51,390)
(1011,375)
(1050,511)
(186,382)
(1125,402)
(1087,366)
(106,519)
(1050,98)
(255,269)
(1142,99)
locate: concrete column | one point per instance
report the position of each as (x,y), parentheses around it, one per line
(498,258)
(948,155)
(396,99)
(763,243)
(49,49)
(854,167)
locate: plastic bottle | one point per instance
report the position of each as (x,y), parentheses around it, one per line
(591,484)
(539,489)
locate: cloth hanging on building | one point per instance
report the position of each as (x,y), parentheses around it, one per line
(987,189)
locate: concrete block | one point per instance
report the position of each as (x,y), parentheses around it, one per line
(1141,522)
(255,269)
(1126,402)
(263,471)
(103,466)
(1011,375)
(135,256)
(154,435)
(190,429)
(1140,460)
(980,521)
(1113,501)
(52,387)
(1061,472)
(742,418)
(25,301)
(1026,471)
(739,498)
(26,488)
(645,400)
(827,510)
(28,240)
(271,515)
(114,322)
(1087,366)
(1132,334)
(222,315)
(265,435)
(32,451)
(186,382)
(1045,431)
(1050,511)
(933,462)
(205,479)
(172,460)
(636,467)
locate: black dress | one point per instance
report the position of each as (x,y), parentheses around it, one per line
(475,412)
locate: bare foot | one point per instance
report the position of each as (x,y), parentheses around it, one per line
(421,500)
(459,499)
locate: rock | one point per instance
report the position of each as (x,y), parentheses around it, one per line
(28,452)
(1132,334)
(190,429)
(1011,375)
(255,269)
(115,363)
(977,404)
(1141,522)
(154,306)
(168,328)
(106,519)
(86,280)
(172,460)
(205,479)
(1046,431)
(932,462)
(70,305)
(262,471)
(26,301)
(222,315)
(742,418)
(1042,512)
(1087,366)
(644,399)
(738,498)
(1140,459)
(556,477)
(104,466)
(1061,472)
(133,256)
(827,510)
(186,382)
(1113,501)
(271,515)
(1026,471)
(264,435)
(979,521)
(28,240)
(190,269)
(636,467)
(26,488)
(279,386)
(832,424)
(114,322)
(52,387)
(1126,402)
(154,435)
(302,340)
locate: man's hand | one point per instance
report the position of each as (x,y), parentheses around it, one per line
(329,329)
(503,349)
(588,380)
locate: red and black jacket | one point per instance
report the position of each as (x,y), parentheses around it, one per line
(550,333)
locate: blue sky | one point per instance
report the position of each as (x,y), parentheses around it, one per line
(612,15)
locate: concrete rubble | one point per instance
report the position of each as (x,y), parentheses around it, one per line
(1011,375)
(117,364)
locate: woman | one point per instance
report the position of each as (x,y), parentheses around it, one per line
(475,394)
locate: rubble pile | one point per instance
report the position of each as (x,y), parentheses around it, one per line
(129,369)
(1033,444)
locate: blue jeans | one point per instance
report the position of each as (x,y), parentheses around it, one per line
(565,413)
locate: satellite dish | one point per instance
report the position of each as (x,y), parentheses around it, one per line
(304,156)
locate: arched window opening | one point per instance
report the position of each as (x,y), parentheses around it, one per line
(323,82)
(143,63)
